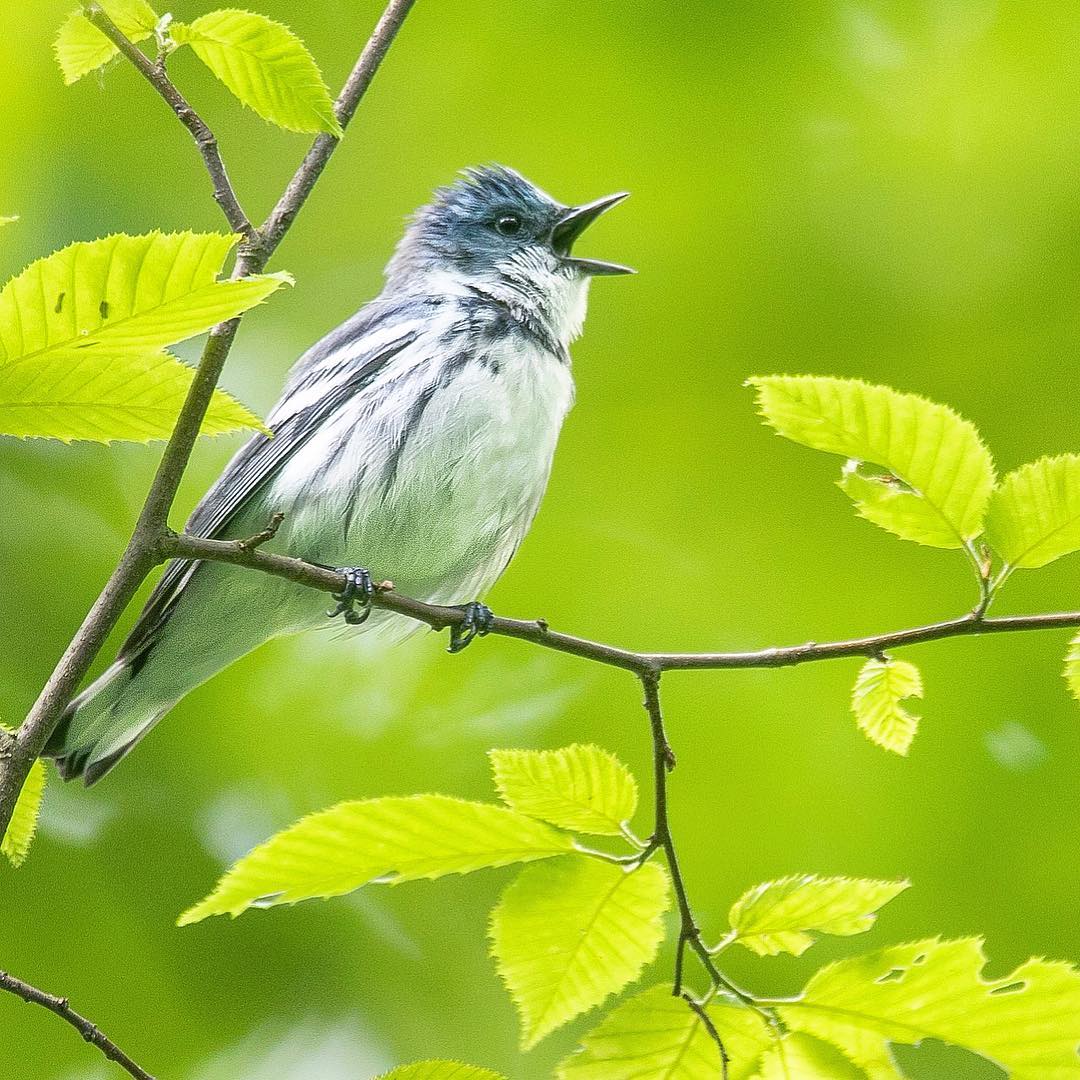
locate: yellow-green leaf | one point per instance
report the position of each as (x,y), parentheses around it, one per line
(1025,1022)
(9,219)
(568,934)
(799,1056)
(655,1036)
(1072,667)
(785,915)
(390,839)
(578,787)
(886,502)
(440,1070)
(265,65)
(20,831)
(124,294)
(81,47)
(876,700)
(1035,512)
(71,394)
(933,454)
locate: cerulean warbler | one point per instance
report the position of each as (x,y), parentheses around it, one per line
(414,440)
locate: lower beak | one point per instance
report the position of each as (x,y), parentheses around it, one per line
(573,223)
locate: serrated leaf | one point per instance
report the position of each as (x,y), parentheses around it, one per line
(390,839)
(70,395)
(1025,1022)
(784,915)
(655,1036)
(23,824)
(577,787)
(440,1070)
(937,456)
(265,65)
(799,1056)
(1072,667)
(891,505)
(81,47)
(1035,512)
(568,934)
(876,700)
(124,294)
(82,334)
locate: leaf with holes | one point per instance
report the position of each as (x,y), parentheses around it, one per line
(265,65)
(1035,512)
(578,787)
(391,839)
(783,916)
(1025,1022)
(23,824)
(654,1036)
(440,1070)
(876,700)
(802,1057)
(90,395)
(81,47)
(568,934)
(935,456)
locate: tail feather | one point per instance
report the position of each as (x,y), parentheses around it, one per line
(101,726)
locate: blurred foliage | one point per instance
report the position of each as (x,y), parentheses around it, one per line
(883,190)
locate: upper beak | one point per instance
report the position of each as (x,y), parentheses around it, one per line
(573,223)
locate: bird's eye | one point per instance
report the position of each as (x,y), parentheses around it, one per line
(508,224)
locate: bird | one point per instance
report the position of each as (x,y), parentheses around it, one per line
(413,442)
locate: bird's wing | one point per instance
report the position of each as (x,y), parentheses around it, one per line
(330,374)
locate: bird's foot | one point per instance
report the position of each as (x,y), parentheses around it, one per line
(354,601)
(479,619)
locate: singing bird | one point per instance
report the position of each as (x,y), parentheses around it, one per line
(414,441)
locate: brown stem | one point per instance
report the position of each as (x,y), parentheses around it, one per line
(89,1031)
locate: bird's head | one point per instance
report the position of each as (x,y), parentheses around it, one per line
(496,232)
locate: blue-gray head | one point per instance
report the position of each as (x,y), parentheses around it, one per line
(495,231)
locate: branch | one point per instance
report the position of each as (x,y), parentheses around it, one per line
(204,138)
(537,631)
(142,552)
(89,1031)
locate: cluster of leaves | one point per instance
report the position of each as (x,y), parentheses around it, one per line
(263,63)
(580,924)
(84,334)
(920,471)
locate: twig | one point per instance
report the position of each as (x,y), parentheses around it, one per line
(537,631)
(143,549)
(204,138)
(710,1027)
(252,542)
(89,1031)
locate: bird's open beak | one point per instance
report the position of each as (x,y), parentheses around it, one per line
(573,223)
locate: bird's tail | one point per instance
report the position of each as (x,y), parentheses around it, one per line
(103,724)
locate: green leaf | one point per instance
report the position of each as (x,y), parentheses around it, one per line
(92,395)
(20,831)
(783,916)
(936,457)
(880,688)
(890,504)
(569,933)
(1035,512)
(802,1057)
(654,1036)
(1072,667)
(390,839)
(10,219)
(82,333)
(578,787)
(124,294)
(440,1070)
(1025,1022)
(265,65)
(81,47)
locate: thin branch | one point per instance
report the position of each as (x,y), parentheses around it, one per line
(537,631)
(710,1027)
(204,138)
(89,1031)
(142,551)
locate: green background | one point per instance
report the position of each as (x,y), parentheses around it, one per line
(887,190)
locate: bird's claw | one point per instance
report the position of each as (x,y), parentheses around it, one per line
(478,620)
(359,590)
